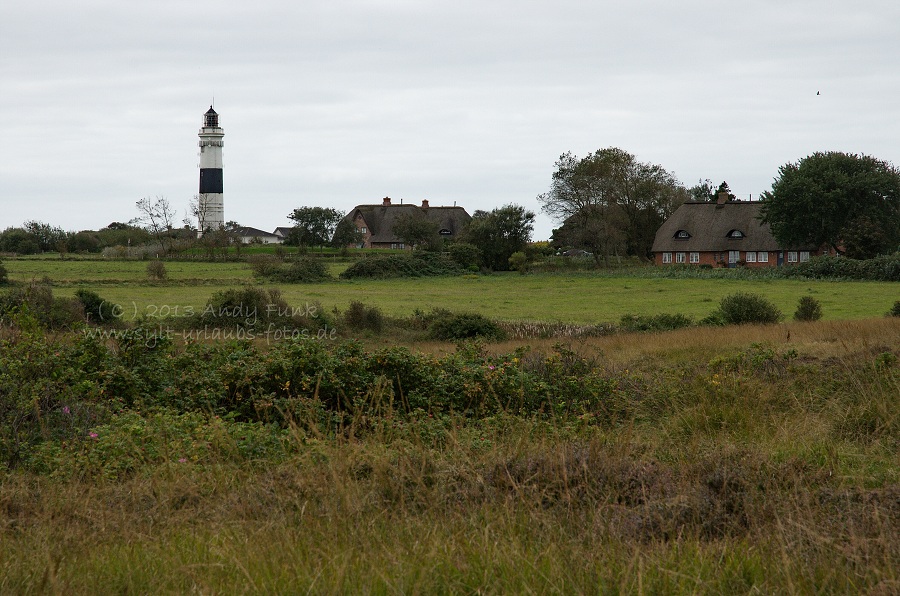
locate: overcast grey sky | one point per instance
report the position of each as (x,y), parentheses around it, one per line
(344,102)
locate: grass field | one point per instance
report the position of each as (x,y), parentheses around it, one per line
(569,298)
(736,460)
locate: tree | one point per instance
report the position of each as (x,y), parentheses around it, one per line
(723,188)
(611,183)
(346,234)
(599,229)
(703,191)
(156,216)
(48,238)
(313,226)
(417,231)
(500,233)
(846,201)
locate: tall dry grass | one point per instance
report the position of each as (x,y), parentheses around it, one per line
(738,460)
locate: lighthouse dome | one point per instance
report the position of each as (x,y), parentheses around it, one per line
(211,118)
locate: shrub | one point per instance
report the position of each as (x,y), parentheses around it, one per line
(419,264)
(743,307)
(518,262)
(448,326)
(36,300)
(306,270)
(156,270)
(660,322)
(4,277)
(808,309)
(359,317)
(895,311)
(96,309)
(464,254)
(263,265)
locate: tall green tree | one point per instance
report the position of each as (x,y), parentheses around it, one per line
(499,233)
(612,183)
(313,226)
(846,201)
(417,231)
(345,234)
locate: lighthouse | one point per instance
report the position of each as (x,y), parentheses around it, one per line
(211,209)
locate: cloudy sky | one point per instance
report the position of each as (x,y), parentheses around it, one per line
(342,102)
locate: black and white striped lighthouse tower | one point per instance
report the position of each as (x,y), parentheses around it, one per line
(211,208)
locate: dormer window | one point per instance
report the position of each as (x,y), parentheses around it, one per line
(735,234)
(682,235)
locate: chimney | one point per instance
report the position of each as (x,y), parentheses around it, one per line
(424,203)
(386,202)
(722,198)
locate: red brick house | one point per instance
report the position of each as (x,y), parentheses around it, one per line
(376,221)
(722,234)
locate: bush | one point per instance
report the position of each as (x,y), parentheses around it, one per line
(36,301)
(247,311)
(156,270)
(519,262)
(4,277)
(96,309)
(881,268)
(421,264)
(359,317)
(464,254)
(660,322)
(448,326)
(263,265)
(303,271)
(742,308)
(895,311)
(808,309)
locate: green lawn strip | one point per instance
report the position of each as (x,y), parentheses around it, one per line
(511,297)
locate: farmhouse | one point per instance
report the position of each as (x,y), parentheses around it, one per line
(253,235)
(722,234)
(376,222)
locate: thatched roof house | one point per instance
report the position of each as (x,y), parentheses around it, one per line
(724,234)
(376,221)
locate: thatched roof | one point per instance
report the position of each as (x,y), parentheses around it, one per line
(380,219)
(712,227)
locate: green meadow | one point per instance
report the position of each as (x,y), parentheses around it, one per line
(577,298)
(751,459)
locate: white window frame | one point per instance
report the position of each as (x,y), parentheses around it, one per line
(666,258)
(680,258)
(804,256)
(695,258)
(762,257)
(792,256)
(736,254)
(750,256)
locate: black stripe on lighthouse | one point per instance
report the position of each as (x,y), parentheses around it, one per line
(210,180)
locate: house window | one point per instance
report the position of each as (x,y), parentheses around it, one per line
(667,258)
(762,256)
(736,234)
(679,257)
(751,256)
(792,256)
(695,257)
(364,229)
(804,256)
(398,245)
(734,256)
(682,235)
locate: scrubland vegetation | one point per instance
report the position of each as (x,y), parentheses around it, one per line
(630,452)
